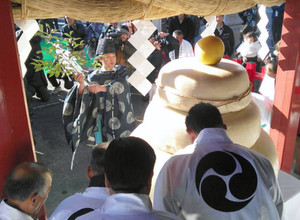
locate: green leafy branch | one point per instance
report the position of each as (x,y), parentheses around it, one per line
(62,62)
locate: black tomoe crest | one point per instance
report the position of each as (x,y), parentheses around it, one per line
(214,189)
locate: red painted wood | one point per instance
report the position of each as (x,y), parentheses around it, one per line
(16,143)
(251,67)
(285,117)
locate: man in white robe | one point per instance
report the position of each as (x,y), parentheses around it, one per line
(93,197)
(185,48)
(216,179)
(27,188)
(129,163)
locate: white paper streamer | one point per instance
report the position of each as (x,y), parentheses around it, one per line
(139,59)
(210,26)
(139,81)
(264,35)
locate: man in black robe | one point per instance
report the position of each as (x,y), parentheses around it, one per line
(100,108)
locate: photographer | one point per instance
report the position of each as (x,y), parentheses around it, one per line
(123,47)
(162,42)
(168,43)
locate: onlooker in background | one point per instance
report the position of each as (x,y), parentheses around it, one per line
(78,31)
(128,167)
(168,43)
(53,24)
(267,87)
(226,34)
(185,24)
(110,28)
(185,49)
(35,81)
(274,55)
(72,30)
(214,178)
(265,100)
(250,17)
(27,188)
(197,23)
(277,18)
(93,197)
(131,27)
(156,59)
(125,50)
(248,50)
(243,31)
(94,31)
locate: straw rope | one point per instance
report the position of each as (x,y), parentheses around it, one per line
(148,9)
(124,10)
(23,8)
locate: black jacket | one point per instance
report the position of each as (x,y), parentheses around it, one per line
(227,38)
(78,31)
(187,27)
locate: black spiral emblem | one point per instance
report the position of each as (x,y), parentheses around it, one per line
(214,188)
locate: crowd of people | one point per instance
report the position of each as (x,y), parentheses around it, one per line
(212,178)
(177,41)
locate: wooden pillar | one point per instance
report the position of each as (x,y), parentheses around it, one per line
(286,107)
(16,144)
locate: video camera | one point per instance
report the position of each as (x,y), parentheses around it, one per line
(115,34)
(111,32)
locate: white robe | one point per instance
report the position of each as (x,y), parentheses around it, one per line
(92,197)
(185,50)
(10,213)
(206,181)
(249,50)
(128,206)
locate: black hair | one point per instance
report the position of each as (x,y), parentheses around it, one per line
(252,34)
(245,29)
(97,158)
(203,115)
(271,66)
(28,181)
(97,180)
(129,164)
(178,32)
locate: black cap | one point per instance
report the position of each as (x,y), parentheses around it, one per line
(106,45)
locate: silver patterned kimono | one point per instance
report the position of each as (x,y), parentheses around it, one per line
(110,111)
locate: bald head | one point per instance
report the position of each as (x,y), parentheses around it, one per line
(27,178)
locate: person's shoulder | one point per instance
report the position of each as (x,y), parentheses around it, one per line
(253,155)
(97,213)
(120,68)
(78,24)
(65,27)
(187,43)
(162,215)
(188,19)
(178,161)
(227,28)
(69,200)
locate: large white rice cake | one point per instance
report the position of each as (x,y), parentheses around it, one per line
(265,146)
(182,83)
(164,127)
